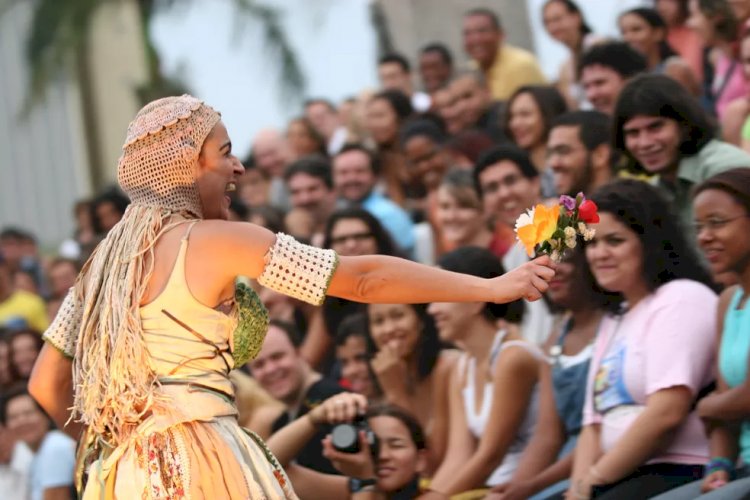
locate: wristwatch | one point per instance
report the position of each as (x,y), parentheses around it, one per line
(356,484)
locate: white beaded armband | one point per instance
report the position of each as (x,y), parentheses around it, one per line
(63,332)
(298,270)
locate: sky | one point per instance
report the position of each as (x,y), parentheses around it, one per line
(220,56)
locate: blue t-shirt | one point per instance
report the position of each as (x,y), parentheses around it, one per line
(733,357)
(53,464)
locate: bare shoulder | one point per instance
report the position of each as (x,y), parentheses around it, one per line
(517,359)
(237,248)
(726,298)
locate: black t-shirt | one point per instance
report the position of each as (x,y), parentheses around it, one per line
(311,455)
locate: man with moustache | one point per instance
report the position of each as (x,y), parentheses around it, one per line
(579,151)
(355,175)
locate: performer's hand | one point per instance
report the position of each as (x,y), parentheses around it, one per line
(358,464)
(343,407)
(528,281)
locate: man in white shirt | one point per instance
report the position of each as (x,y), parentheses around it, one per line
(394,73)
(509,185)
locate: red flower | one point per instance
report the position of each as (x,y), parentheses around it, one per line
(587,212)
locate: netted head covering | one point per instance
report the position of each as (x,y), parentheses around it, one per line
(113,380)
(160,156)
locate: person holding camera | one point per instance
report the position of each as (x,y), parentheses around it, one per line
(380,451)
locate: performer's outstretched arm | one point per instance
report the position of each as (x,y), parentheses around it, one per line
(51,385)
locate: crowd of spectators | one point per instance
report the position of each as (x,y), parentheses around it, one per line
(628,380)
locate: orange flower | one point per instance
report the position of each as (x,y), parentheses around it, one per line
(538,229)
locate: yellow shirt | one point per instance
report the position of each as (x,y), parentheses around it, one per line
(25,305)
(513,68)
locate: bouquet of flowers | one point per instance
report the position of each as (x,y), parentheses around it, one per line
(553,230)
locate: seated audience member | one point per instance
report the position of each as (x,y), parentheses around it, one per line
(310,185)
(304,139)
(435,66)
(579,152)
(61,276)
(254,186)
(447,106)
(605,68)
(355,178)
(492,392)
(53,463)
(684,40)
(478,110)
(6,374)
(19,305)
(411,368)
(735,127)
(465,148)
(644,30)
(423,145)
(509,185)
(565,23)
(350,232)
(530,112)
(547,461)
(328,122)
(385,113)
(390,471)
(652,357)
(351,354)
(271,153)
(663,130)
(108,208)
(722,220)
(505,67)
(717,26)
(394,72)
(24,346)
(460,216)
(281,371)
(15,462)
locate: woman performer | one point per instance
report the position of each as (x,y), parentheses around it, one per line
(144,342)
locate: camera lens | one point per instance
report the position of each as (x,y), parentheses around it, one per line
(345,438)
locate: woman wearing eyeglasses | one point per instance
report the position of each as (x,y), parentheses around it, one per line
(722,224)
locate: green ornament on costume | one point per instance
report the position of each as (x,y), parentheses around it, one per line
(252,324)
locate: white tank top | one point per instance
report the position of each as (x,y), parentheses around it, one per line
(477,422)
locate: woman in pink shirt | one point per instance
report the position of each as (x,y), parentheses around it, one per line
(653,355)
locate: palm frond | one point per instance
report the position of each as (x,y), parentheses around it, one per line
(59,29)
(293,81)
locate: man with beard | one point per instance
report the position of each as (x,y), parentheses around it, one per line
(579,151)
(355,174)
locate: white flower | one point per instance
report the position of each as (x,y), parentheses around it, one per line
(570,233)
(588,235)
(570,242)
(582,228)
(525,219)
(556,256)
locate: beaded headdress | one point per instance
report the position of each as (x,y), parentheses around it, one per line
(114,384)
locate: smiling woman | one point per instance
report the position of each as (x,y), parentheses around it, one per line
(661,333)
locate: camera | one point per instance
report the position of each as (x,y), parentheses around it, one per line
(345,437)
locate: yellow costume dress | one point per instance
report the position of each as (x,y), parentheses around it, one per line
(151,383)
